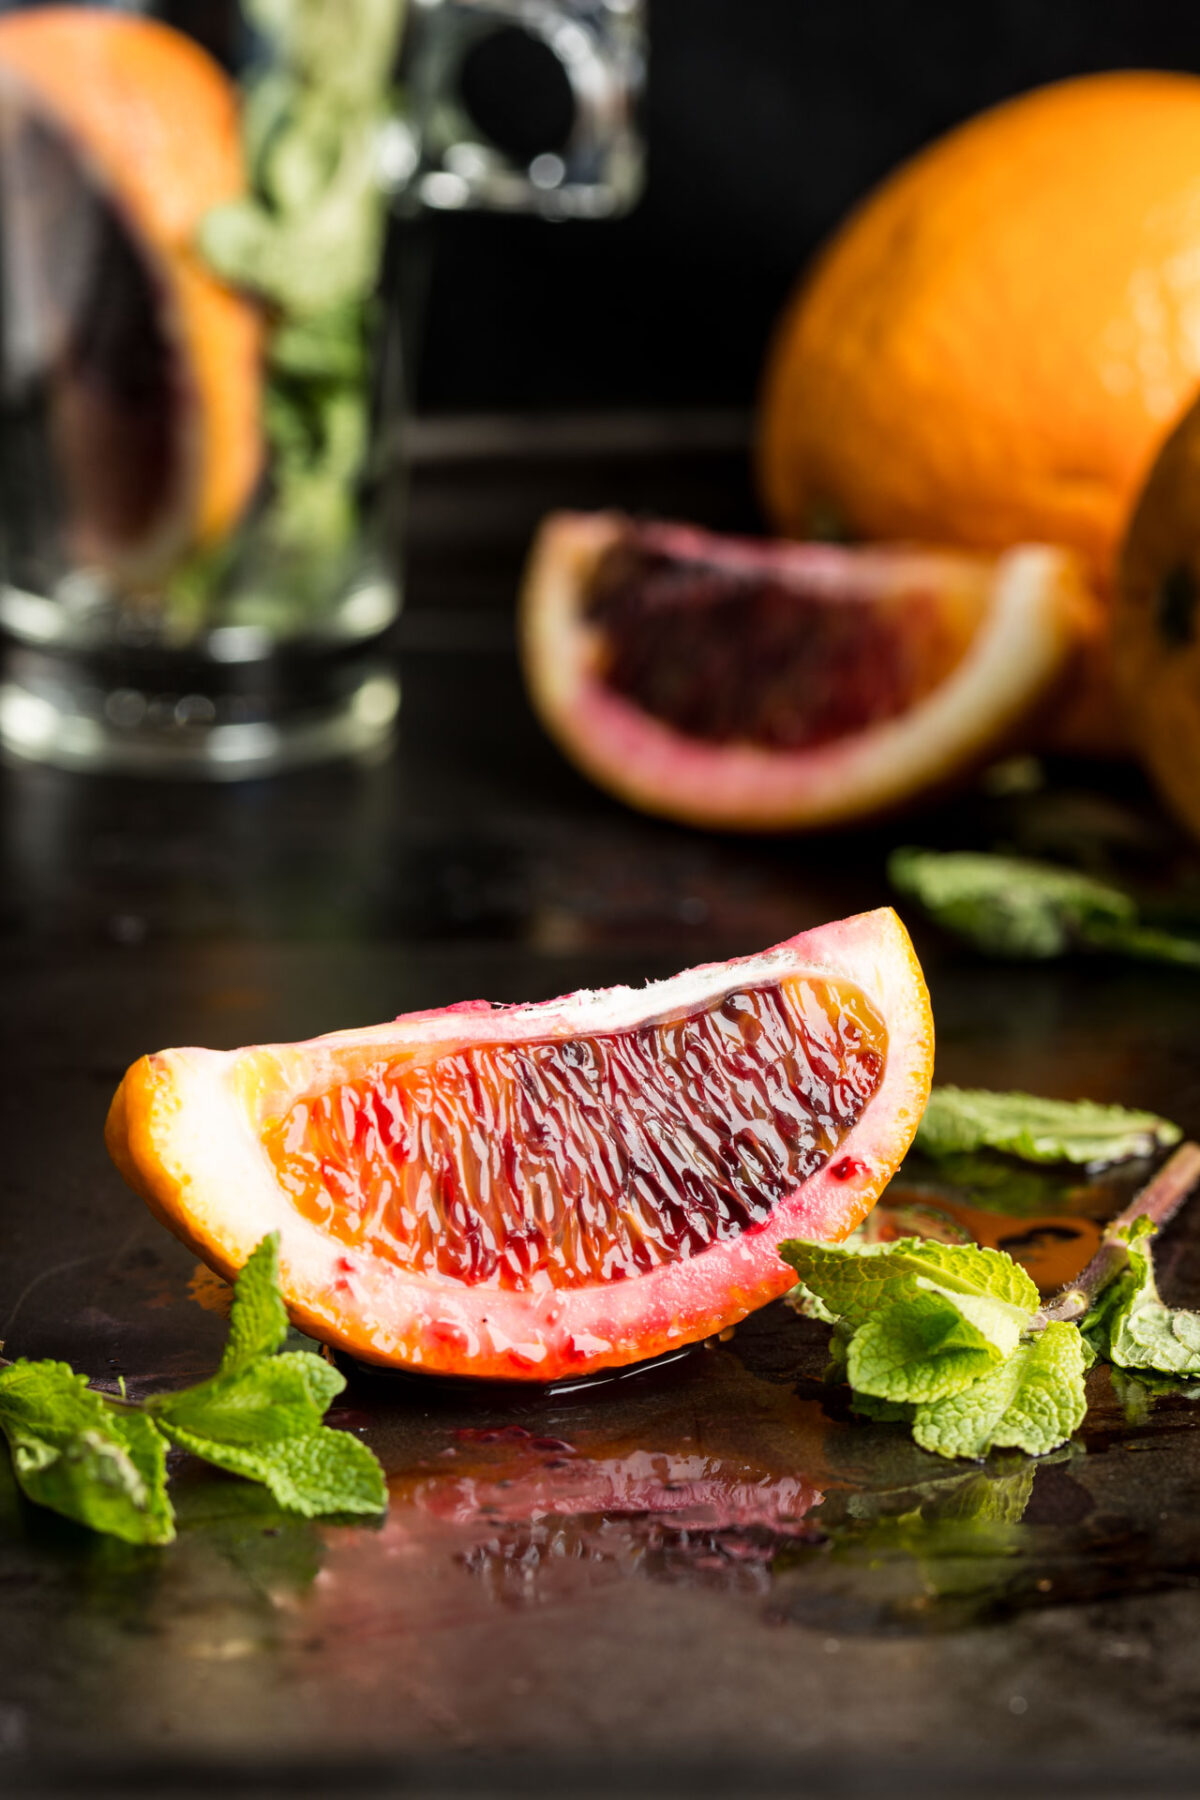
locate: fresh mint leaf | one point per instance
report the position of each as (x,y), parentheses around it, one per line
(264,1422)
(1006,906)
(1131,1326)
(1033,1400)
(919,1348)
(100,1464)
(957,1120)
(104,1463)
(258,1321)
(260,1402)
(260,1414)
(314,1472)
(852,1283)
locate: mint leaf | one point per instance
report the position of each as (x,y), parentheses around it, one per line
(919,1348)
(104,1464)
(101,1465)
(318,1471)
(263,1422)
(258,1321)
(1006,906)
(852,1283)
(1031,1401)
(957,1120)
(1131,1326)
(260,1414)
(270,1398)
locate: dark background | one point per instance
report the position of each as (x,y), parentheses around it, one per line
(765,120)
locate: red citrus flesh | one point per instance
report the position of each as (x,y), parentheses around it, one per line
(590,1158)
(725,640)
(761,686)
(536,1191)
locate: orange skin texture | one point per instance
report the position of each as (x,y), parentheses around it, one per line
(1157,658)
(382,1314)
(993,347)
(156,120)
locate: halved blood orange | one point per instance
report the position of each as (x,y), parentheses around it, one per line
(762,686)
(535,1191)
(119,134)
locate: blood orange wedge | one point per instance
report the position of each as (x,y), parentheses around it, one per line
(535,1191)
(763,686)
(118,135)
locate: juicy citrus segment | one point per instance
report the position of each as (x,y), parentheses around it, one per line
(142,127)
(729,643)
(527,1192)
(589,1158)
(768,686)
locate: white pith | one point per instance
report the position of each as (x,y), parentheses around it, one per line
(1028,628)
(207,1144)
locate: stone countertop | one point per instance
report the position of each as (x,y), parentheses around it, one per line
(702,1578)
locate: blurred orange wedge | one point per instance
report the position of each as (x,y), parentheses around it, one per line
(118,134)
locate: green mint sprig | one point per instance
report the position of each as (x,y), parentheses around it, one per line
(1130,1325)
(100,1459)
(952,1338)
(957,1121)
(1006,906)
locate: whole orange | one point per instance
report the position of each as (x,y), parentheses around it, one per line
(995,344)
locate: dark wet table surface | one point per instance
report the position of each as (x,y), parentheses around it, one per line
(700,1578)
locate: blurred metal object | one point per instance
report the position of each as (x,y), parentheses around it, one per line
(597,172)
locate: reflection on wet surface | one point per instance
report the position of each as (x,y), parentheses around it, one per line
(551,1560)
(681,1555)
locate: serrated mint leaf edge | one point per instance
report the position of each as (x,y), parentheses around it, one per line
(43,1448)
(1038,1129)
(1004,1402)
(272,1465)
(258,1321)
(888,1360)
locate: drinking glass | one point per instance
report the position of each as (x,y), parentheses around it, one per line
(201,378)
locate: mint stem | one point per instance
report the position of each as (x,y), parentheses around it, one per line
(1159,1201)
(1144,942)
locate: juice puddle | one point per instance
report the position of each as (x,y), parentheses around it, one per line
(1048,1218)
(1053,1247)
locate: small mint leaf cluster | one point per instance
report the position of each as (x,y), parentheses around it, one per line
(101,1460)
(944,1337)
(1130,1325)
